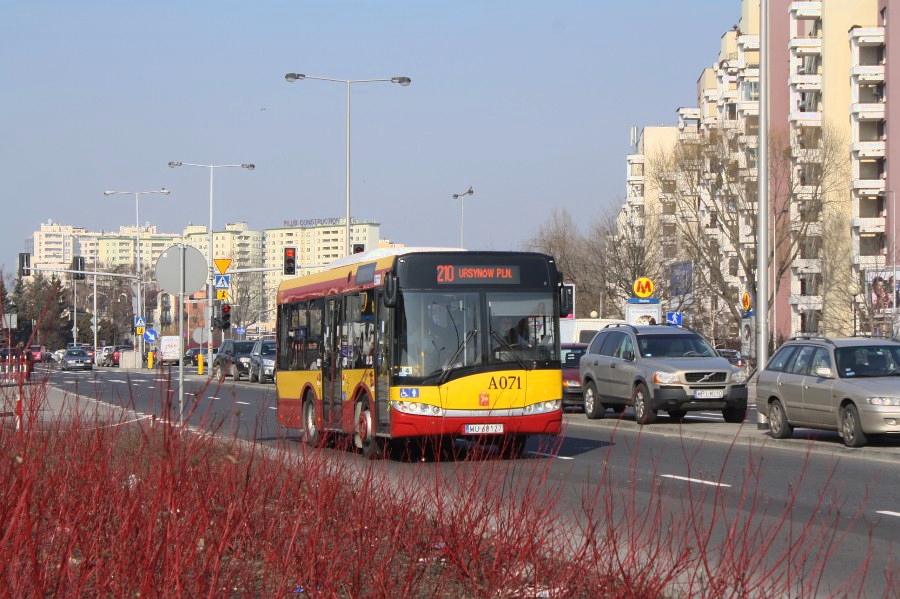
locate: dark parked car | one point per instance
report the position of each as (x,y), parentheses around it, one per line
(191,354)
(734,357)
(204,351)
(570,356)
(262,361)
(659,368)
(233,359)
(76,359)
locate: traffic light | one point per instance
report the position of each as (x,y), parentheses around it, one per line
(226,316)
(290,261)
(78,264)
(217,315)
(25,265)
(359,248)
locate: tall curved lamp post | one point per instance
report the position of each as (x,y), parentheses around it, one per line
(404,81)
(139,341)
(460,197)
(210,290)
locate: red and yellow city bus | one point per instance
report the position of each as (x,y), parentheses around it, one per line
(406,343)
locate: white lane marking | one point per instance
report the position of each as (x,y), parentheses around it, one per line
(888,513)
(272,408)
(550,455)
(694,480)
(117,381)
(717,419)
(214,397)
(243,403)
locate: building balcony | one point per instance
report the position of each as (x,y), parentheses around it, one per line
(805,303)
(806,119)
(748,107)
(748,41)
(870,187)
(803,46)
(803,82)
(867,110)
(868,149)
(867,225)
(807,265)
(867,36)
(805,10)
(867,262)
(868,73)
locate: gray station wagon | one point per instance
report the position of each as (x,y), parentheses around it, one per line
(659,368)
(849,385)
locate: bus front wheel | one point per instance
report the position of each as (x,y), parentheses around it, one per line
(310,430)
(364,434)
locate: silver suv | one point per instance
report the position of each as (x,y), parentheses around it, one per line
(659,368)
(849,385)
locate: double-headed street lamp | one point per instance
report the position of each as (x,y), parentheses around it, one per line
(137,245)
(404,81)
(460,197)
(211,279)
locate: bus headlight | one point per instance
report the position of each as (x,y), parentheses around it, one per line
(417,409)
(543,407)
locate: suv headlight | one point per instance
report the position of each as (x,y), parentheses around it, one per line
(665,378)
(739,376)
(883,401)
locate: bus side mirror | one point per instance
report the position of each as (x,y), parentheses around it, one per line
(390,290)
(566,299)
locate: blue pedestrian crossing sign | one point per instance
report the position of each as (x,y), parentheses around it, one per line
(675,318)
(139,321)
(222,281)
(150,335)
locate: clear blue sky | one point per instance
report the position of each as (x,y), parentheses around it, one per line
(528,102)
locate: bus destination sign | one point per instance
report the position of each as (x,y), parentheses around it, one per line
(459,274)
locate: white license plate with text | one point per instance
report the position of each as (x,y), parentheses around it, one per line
(484,429)
(709,393)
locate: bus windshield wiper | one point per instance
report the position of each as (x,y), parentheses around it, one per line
(509,349)
(448,368)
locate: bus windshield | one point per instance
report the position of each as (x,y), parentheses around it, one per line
(438,331)
(441,331)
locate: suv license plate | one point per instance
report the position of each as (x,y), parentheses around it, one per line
(708,394)
(484,429)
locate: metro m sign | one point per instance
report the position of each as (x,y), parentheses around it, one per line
(643,287)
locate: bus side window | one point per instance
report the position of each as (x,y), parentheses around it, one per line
(314,334)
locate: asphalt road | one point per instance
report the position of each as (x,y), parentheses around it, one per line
(702,467)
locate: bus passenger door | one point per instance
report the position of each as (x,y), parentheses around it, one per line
(332,400)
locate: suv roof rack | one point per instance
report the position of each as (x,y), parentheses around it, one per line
(812,338)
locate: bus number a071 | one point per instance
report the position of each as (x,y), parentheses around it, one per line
(505,382)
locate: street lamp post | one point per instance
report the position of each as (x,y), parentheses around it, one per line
(211,279)
(404,81)
(137,246)
(460,197)
(854,291)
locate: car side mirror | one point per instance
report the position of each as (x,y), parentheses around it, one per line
(628,355)
(823,372)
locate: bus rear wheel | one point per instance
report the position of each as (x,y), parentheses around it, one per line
(310,430)
(364,432)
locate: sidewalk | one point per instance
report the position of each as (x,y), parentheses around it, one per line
(42,403)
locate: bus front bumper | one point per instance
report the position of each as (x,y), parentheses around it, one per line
(474,424)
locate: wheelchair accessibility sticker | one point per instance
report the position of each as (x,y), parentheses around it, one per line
(408,393)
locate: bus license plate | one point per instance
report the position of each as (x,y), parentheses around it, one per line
(484,429)
(709,393)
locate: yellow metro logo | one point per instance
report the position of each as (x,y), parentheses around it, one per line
(643,287)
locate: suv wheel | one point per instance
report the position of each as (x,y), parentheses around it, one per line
(251,376)
(851,428)
(643,413)
(778,422)
(734,415)
(220,373)
(593,408)
(235,374)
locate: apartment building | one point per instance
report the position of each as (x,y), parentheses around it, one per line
(831,198)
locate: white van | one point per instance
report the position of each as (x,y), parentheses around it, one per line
(582,330)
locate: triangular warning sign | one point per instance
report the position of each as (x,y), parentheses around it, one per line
(222,264)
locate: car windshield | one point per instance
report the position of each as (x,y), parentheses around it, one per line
(76,353)
(243,347)
(675,346)
(267,349)
(868,361)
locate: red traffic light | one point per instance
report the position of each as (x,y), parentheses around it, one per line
(290,261)
(226,308)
